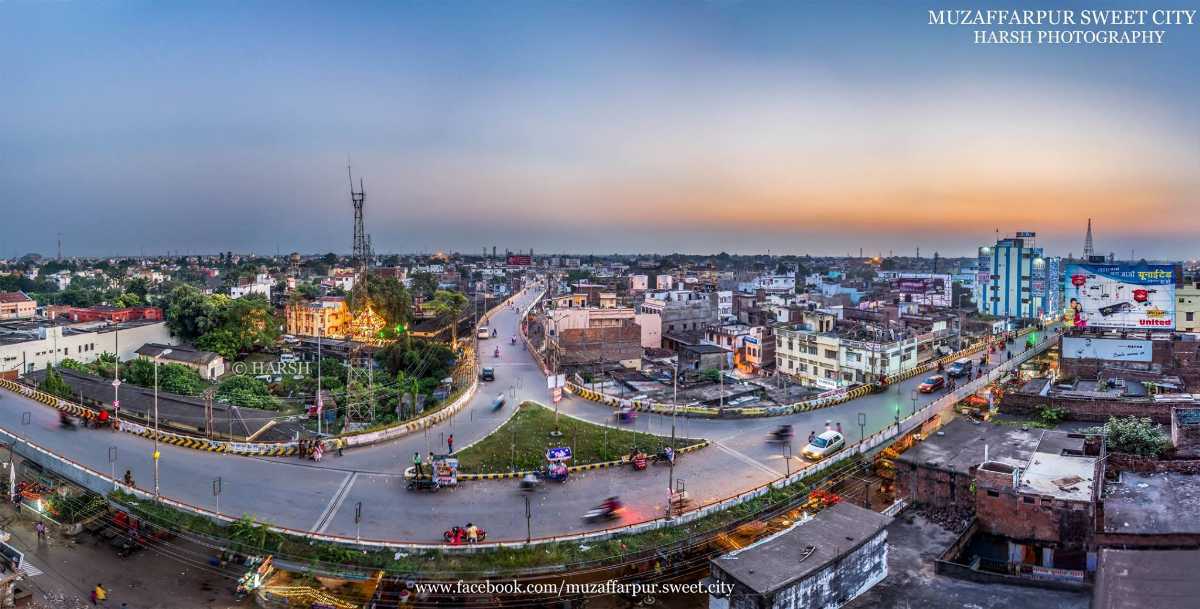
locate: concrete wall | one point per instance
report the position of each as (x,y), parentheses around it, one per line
(840,582)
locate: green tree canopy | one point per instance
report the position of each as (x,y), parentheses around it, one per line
(1135,435)
(243,390)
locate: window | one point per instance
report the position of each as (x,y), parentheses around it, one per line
(830,354)
(1028,499)
(1190,316)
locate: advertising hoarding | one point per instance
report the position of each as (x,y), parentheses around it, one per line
(520,260)
(926,288)
(1119,295)
(1118,349)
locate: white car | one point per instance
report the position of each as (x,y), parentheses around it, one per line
(484,332)
(824,445)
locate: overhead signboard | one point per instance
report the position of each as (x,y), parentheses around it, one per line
(1115,349)
(1119,295)
(1026,234)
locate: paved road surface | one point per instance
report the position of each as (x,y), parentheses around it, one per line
(322,497)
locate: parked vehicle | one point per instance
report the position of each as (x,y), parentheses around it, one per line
(488,374)
(932,384)
(824,445)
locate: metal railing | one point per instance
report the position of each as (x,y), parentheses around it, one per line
(101,482)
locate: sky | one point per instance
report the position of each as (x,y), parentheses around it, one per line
(584,126)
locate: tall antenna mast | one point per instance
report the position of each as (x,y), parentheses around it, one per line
(362,248)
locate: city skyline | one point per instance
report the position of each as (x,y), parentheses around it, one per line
(722,126)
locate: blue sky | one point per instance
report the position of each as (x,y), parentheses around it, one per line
(576,126)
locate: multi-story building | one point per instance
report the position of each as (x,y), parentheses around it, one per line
(681,310)
(328,316)
(261,284)
(17,305)
(1014,268)
(753,347)
(1187,306)
(825,353)
(26,346)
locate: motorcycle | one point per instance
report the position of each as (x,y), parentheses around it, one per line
(663,457)
(65,421)
(513,340)
(457,535)
(783,434)
(499,403)
(530,483)
(610,510)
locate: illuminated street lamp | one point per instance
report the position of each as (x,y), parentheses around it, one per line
(156,453)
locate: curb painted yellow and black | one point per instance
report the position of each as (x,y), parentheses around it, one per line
(256,449)
(574,468)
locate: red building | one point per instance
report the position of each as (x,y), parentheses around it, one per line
(111,314)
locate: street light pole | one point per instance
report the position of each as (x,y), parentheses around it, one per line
(862,426)
(156,453)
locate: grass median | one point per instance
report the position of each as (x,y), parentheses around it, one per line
(520,444)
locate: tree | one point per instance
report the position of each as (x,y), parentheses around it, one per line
(247,391)
(54,384)
(172,378)
(424,284)
(139,286)
(128,299)
(449,304)
(190,313)
(1134,435)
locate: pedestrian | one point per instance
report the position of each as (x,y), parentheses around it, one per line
(317,450)
(99,595)
(812,435)
(341,444)
(839,427)
(40,527)
(416,464)
(450,443)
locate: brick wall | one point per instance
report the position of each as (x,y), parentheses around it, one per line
(1086,410)
(1028,518)
(934,487)
(1143,465)
(1185,430)
(1171,357)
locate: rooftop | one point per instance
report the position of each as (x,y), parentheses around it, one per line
(178,353)
(959,446)
(1069,478)
(1135,579)
(1152,504)
(7,297)
(776,562)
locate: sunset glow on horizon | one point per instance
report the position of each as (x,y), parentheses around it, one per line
(616,127)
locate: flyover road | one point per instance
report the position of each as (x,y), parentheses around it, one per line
(322,497)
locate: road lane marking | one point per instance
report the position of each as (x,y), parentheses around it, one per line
(335,504)
(745,458)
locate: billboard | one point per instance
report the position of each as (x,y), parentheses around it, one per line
(927,288)
(1118,349)
(520,260)
(1119,295)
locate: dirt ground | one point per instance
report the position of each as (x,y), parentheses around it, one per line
(175,577)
